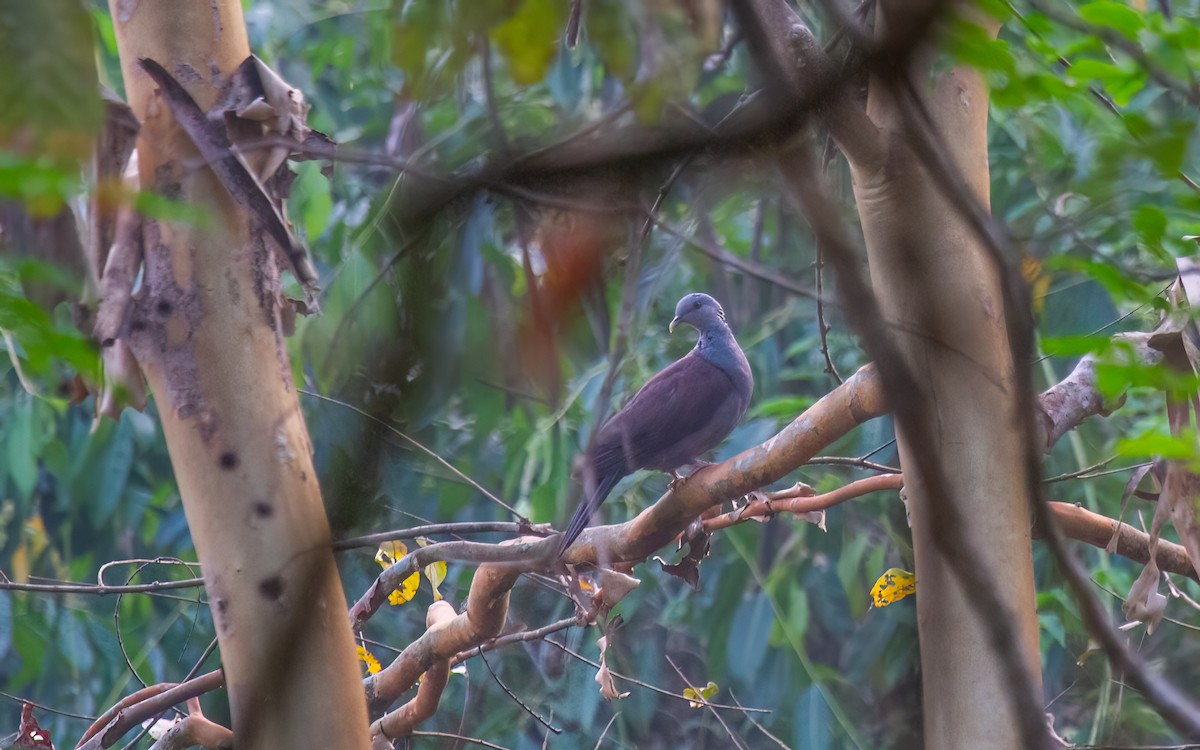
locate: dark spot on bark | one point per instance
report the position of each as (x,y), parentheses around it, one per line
(137,326)
(263,510)
(271,588)
(228,460)
(185,73)
(222,618)
(164,307)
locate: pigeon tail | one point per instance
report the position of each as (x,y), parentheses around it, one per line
(590,504)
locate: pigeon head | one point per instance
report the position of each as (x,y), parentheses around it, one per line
(699,311)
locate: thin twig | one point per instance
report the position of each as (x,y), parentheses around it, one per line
(655,688)
(860,463)
(518,701)
(467,527)
(607,726)
(745,265)
(737,742)
(1087,473)
(40,707)
(461,738)
(823,328)
(91,588)
(758,726)
(523,636)
(422,448)
(873,451)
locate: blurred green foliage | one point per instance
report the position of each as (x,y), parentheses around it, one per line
(430,327)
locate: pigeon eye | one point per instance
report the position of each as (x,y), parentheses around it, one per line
(696,305)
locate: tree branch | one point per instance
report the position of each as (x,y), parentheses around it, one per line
(793,60)
(405,719)
(144,704)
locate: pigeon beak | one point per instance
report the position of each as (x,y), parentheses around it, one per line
(674,322)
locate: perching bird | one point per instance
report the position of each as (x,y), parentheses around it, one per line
(679,414)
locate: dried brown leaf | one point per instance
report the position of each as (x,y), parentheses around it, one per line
(604,679)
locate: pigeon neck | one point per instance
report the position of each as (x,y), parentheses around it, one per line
(716,344)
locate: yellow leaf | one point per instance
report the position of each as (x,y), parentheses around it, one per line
(369,659)
(1039,282)
(695,695)
(892,586)
(389,552)
(407,590)
(435,572)
(33,542)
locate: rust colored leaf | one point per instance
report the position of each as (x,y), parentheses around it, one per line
(31,736)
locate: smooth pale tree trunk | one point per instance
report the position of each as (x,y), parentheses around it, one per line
(206,329)
(941,298)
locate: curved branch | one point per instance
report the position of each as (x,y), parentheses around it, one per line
(403,720)
(195,730)
(144,704)
(487,609)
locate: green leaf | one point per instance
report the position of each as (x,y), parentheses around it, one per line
(6,623)
(22,460)
(311,199)
(529,39)
(1095,70)
(615,41)
(786,407)
(48,79)
(1113,15)
(1073,346)
(697,696)
(103,476)
(972,45)
(1153,444)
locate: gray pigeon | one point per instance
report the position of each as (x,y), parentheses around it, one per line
(678,415)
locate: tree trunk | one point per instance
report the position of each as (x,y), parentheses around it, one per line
(941,298)
(206,330)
